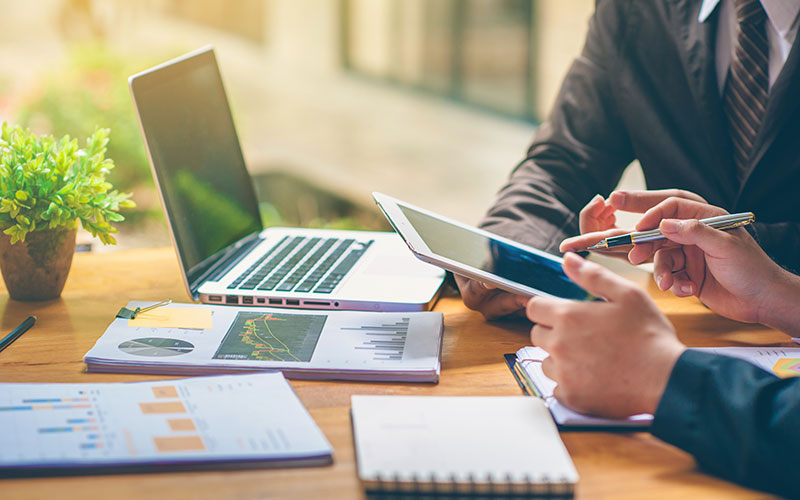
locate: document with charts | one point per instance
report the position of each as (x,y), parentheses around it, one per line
(253,419)
(310,344)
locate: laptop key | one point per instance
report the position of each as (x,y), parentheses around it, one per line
(287,266)
(301,270)
(272,264)
(235,283)
(308,284)
(333,279)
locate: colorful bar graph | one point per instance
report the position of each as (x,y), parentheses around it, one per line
(171,444)
(44,407)
(165,391)
(77,428)
(181,424)
(55,400)
(162,407)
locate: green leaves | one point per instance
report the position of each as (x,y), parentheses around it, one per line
(46,184)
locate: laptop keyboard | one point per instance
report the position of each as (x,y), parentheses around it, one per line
(300,264)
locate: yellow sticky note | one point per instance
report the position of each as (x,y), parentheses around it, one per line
(198,318)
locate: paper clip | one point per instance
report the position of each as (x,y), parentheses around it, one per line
(126,313)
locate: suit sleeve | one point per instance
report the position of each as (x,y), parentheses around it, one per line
(579,152)
(780,240)
(739,422)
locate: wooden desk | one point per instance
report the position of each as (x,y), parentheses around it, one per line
(631,465)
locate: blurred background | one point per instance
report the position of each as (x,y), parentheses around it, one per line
(432,101)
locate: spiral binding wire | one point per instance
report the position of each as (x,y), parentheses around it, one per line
(419,487)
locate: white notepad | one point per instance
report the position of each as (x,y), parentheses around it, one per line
(460,444)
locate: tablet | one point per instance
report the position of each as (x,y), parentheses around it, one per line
(478,254)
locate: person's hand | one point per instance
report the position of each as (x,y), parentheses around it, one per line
(489,301)
(612,358)
(727,270)
(597,219)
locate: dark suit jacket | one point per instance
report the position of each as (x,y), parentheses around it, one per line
(645,88)
(738,421)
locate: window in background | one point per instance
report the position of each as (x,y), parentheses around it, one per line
(474,51)
(240,17)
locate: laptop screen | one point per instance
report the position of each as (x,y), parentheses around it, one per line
(194,149)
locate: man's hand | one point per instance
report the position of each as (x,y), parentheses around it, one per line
(727,270)
(487,300)
(598,220)
(611,358)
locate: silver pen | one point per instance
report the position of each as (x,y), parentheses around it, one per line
(721,222)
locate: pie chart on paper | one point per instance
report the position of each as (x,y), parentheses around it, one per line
(787,367)
(154,347)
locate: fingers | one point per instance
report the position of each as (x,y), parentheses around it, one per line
(670,272)
(541,335)
(640,201)
(677,208)
(490,302)
(596,215)
(597,280)
(693,232)
(584,241)
(545,310)
(642,252)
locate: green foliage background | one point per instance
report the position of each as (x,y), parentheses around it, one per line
(90,91)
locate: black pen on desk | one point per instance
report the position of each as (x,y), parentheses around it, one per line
(17,332)
(721,222)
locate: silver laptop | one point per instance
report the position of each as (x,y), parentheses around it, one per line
(226,256)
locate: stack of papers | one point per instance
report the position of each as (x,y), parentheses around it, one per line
(527,368)
(251,419)
(189,339)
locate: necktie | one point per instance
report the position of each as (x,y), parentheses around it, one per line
(747,87)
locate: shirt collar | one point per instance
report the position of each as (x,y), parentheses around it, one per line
(782,13)
(706,9)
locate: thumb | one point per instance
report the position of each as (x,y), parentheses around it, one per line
(596,279)
(693,232)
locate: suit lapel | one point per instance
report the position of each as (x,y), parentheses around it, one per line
(783,100)
(697,50)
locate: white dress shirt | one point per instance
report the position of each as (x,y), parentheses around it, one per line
(782,26)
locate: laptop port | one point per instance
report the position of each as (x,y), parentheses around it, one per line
(261,301)
(292,302)
(231,299)
(215,298)
(247,300)
(319,303)
(275,302)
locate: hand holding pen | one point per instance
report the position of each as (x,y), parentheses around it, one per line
(721,222)
(726,270)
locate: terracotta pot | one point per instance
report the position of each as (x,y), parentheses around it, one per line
(37,268)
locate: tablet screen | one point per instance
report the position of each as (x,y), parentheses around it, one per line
(534,270)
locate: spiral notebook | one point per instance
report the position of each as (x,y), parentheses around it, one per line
(460,445)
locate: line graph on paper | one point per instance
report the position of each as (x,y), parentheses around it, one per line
(387,341)
(271,337)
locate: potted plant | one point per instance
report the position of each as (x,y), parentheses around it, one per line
(46,188)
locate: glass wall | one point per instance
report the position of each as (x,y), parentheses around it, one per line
(475,51)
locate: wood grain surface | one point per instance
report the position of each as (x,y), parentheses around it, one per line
(611,465)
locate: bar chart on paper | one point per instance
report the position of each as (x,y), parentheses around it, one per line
(190,420)
(386,340)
